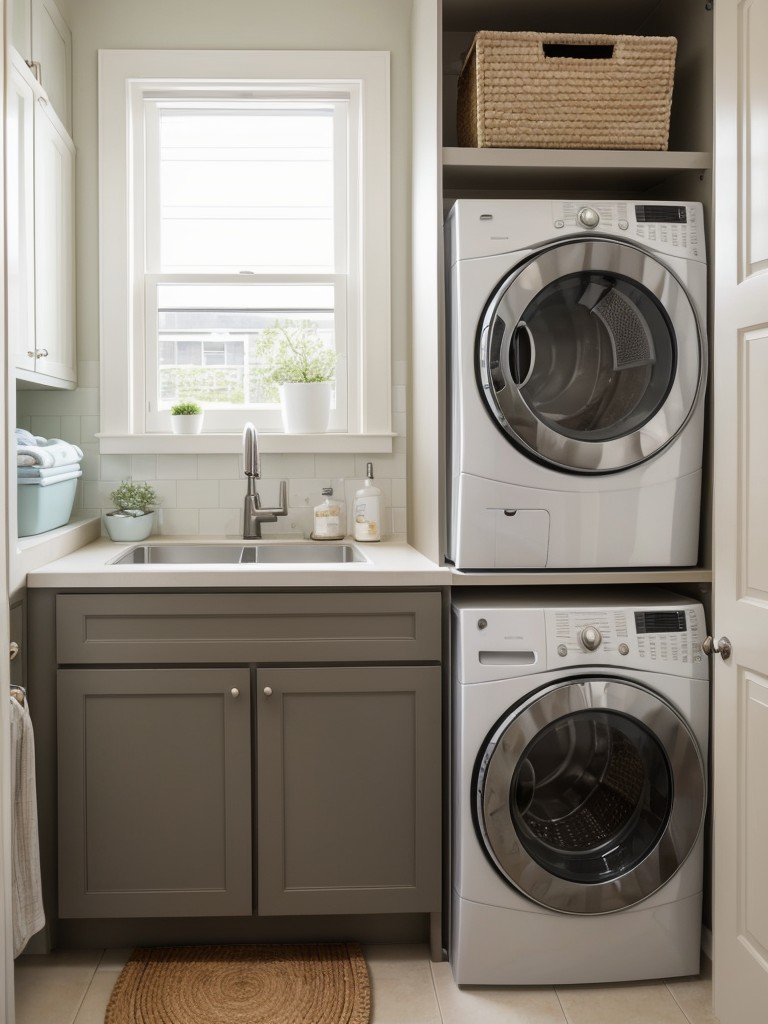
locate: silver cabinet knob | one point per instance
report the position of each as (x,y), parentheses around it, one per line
(13,651)
(722,647)
(41,353)
(267,691)
(590,638)
(235,692)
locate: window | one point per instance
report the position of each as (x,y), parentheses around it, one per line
(256,189)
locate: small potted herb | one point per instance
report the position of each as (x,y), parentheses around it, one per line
(133,517)
(186,418)
(303,368)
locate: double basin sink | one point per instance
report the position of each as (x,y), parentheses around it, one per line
(297,553)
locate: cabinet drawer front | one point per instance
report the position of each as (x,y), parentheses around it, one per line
(179,628)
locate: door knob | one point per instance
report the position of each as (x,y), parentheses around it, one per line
(13,650)
(722,647)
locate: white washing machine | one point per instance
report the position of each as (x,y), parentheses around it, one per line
(577,369)
(580,737)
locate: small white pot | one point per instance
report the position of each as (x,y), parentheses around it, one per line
(129,528)
(187,424)
(306,408)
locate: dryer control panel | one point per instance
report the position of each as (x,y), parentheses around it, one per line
(675,228)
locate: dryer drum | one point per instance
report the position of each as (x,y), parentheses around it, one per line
(590,795)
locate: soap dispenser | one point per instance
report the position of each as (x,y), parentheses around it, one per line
(367,517)
(329,519)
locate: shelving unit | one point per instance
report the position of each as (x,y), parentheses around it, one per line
(442,172)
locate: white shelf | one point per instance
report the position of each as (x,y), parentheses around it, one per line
(467,169)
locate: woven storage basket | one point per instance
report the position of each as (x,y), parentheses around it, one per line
(523,90)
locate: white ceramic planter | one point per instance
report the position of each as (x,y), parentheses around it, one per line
(306,408)
(129,528)
(187,424)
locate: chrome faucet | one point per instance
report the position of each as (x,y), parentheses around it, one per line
(253,514)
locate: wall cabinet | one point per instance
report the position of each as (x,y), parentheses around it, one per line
(41,183)
(154,765)
(43,40)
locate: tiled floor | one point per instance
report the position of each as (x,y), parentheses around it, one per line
(74,987)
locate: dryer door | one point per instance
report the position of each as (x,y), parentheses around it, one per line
(590,795)
(590,356)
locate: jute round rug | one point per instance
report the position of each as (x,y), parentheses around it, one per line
(314,983)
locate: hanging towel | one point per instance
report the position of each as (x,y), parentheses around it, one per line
(54,452)
(28,916)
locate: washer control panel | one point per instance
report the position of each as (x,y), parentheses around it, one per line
(662,638)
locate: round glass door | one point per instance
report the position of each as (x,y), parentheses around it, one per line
(590,795)
(590,356)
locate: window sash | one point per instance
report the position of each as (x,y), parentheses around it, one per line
(156,415)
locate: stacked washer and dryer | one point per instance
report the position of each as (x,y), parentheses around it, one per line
(577,370)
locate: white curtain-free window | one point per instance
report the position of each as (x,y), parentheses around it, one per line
(249,199)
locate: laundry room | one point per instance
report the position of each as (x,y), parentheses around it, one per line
(458,684)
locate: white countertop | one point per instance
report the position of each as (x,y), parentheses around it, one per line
(390,564)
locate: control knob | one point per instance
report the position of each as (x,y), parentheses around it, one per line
(588,217)
(590,638)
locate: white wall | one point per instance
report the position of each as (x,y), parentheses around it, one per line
(203,494)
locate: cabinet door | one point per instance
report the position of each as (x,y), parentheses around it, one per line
(52,52)
(20,214)
(154,792)
(348,790)
(54,247)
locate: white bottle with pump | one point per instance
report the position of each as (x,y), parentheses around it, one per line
(367,510)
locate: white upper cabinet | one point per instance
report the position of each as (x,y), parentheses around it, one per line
(42,37)
(40,250)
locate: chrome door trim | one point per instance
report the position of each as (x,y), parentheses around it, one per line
(512,737)
(508,405)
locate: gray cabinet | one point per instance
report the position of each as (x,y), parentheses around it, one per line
(348,770)
(154,792)
(156,760)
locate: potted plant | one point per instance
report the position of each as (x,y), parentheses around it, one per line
(303,368)
(186,418)
(133,517)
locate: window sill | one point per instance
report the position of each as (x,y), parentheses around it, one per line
(218,444)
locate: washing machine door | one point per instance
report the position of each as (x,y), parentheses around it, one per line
(590,356)
(590,795)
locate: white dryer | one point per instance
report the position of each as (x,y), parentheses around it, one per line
(580,737)
(577,369)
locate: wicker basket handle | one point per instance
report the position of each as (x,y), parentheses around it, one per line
(579,51)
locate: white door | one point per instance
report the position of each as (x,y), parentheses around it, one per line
(740,376)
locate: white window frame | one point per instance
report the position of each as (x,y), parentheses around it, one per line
(125,77)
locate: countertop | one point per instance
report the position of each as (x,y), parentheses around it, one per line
(390,564)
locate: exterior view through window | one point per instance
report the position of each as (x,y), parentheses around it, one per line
(254,191)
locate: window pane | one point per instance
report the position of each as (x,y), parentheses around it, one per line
(248,188)
(215,341)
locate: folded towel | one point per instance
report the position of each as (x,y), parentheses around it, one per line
(41,472)
(24,437)
(47,481)
(54,452)
(27,898)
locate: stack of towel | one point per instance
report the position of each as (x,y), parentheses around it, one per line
(44,462)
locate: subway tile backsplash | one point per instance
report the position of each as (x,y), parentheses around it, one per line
(203,494)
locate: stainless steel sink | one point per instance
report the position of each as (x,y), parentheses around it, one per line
(298,553)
